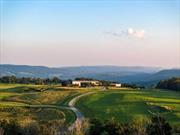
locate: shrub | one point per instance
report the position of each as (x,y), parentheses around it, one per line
(53,128)
(158,126)
(31,129)
(1,131)
(80,128)
(10,127)
(112,127)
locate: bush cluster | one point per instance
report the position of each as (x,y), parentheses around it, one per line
(157,126)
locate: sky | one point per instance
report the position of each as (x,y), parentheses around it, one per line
(60,33)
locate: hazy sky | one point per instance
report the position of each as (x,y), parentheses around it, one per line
(102,32)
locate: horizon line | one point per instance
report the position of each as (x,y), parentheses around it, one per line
(64,66)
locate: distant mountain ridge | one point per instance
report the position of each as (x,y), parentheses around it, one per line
(125,74)
(70,72)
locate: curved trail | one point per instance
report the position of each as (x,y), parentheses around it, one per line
(79,115)
(72,102)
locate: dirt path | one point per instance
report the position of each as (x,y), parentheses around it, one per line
(71,106)
(79,115)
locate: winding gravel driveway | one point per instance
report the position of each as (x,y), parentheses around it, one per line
(72,102)
(79,115)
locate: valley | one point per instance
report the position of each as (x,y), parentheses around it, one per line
(27,104)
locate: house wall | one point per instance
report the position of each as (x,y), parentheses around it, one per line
(78,83)
(118,85)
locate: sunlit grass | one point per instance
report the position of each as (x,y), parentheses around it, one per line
(131,105)
(37,103)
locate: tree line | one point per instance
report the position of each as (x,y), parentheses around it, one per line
(56,80)
(38,81)
(171,84)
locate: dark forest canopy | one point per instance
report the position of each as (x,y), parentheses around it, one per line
(172,84)
(29,80)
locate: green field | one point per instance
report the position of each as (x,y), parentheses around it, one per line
(42,103)
(36,103)
(131,105)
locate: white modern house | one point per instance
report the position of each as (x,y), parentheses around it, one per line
(81,82)
(116,84)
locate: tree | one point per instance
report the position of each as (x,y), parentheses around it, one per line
(8,79)
(28,80)
(172,84)
(66,82)
(39,81)
(56,80)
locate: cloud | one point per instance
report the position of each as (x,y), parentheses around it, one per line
(120,33)
(136,33)
(129,32)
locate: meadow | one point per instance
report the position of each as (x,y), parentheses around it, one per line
(43,103)
(129,105)
(37,103)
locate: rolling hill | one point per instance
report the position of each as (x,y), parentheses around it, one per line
(141,75)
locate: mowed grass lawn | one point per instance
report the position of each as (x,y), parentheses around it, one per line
(131,105)
(36,103)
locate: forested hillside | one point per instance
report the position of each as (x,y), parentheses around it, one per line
(172,84)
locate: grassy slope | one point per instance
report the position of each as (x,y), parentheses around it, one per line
(40,115)
(28,103)
(131,105)
(123,105)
